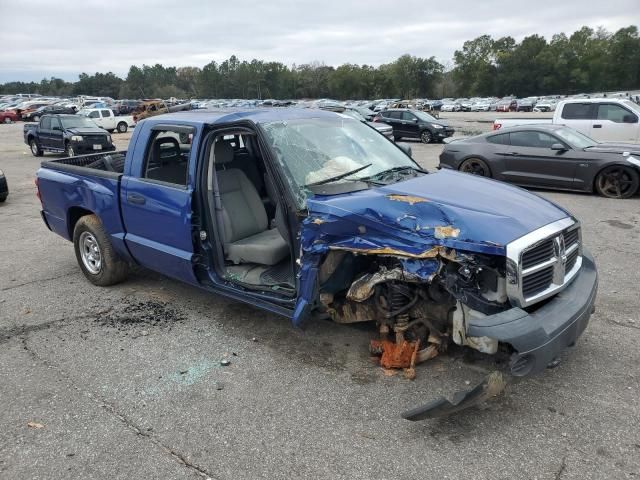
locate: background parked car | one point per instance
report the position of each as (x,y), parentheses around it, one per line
(9,116)
(525,105)
(408,123)
(34,116)
(4,187)
(603,119)
(105,118)
(548,156)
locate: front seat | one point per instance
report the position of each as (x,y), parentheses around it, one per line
(247,238)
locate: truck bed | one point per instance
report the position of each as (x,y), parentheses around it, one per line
(103,164)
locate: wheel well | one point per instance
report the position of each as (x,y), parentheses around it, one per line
(73,215)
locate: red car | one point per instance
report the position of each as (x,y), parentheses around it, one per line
(9,116)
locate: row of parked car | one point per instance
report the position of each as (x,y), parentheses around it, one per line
(14,108)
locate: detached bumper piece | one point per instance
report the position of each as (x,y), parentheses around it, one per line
(538,338)
(492,385)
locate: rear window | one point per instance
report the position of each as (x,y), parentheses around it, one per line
(578,111)
(502,139)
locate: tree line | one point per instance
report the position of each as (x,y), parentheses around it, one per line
(587,60)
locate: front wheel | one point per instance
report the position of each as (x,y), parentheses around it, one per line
(122,127)
(36,118)
(397,138)
(617,181)
(35,150)
(7,119)
(95,255)
(426,137)
(70,151)
(475,166)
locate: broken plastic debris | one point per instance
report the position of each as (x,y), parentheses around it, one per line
(35,425)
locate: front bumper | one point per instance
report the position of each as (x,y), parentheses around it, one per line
(87,147)
(444,133)
(538,338)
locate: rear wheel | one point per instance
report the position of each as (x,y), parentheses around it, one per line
(95,255)
(122,127)
(617,181)
(7,119)
(426,136)
(475,166)
(35,149)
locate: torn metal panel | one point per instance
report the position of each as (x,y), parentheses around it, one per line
(363,287)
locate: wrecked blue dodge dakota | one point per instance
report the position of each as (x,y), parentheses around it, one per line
(311,214)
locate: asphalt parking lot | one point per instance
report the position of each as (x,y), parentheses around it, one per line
(126,382)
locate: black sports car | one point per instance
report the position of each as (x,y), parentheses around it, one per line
(548,156)
(4,188)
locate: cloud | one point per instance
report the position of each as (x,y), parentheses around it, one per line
(66,38)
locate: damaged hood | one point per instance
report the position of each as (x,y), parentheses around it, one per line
(447,209)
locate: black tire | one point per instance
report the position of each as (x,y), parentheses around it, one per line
(617,181)
(122,127)
(90,240)
(426,136)
(35,149)
(69,150)
(7,120)
(475,166)
(3,197)
(396,138)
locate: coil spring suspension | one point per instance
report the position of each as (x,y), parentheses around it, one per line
(401,299)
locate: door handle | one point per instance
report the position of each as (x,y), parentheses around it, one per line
(135,198)
(597,126)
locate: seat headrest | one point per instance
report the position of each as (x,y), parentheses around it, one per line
(223,152)
(159,142)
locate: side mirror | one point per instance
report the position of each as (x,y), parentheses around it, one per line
(629,119)
(405,148)
(558,147)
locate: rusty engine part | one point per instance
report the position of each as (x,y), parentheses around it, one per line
(397,302)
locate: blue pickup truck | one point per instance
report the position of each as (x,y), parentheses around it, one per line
(310,214)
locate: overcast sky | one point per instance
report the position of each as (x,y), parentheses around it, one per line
(41,38)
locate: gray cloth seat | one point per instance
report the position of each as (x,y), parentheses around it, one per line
(247,237)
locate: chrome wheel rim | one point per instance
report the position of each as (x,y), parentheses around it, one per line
(34,147)
(7,120)
(426,137)
(90,253)
(70,152)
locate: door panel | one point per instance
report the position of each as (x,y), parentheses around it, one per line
(610,124)
(157,209)
(530,161)
(410,125)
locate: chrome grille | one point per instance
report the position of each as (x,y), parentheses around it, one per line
(537,282)
(543,262)
(538,254)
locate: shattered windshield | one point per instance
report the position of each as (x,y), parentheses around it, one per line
(317,150)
